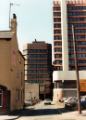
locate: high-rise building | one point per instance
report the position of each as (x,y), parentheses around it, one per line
(38,66)
(68,13)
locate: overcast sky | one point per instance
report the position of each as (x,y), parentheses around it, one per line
(34,19)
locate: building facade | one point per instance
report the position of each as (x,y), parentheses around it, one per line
(11,70)
(31,92)
(38,66)
(68,13)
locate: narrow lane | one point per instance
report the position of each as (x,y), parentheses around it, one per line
(39,112)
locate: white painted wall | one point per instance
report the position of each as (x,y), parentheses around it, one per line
(68,75)
(57,94)
(64,35)
(65,74)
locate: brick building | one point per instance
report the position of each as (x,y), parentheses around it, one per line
(11,70)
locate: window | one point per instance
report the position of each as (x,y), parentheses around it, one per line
(58,55)
(71,55)
(57,31)
(58,43)
(78,25)
(69,84)
(57,13)
(81,43)
(37,56)
(22,78)
(57,25)
(77,31)
(78,13)
(76,7)
(17,94)
(58,84)
(82,68)
(58,49)
(71,62)
(81,56)
(57,19)
(57,37)
(58,62)
(37,51)
(82,61)
(1,98)
(56,8)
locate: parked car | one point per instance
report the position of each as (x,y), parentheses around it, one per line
(83,102)
(70,103)
(83,98)
(70,100)
(28,103)
(47,101)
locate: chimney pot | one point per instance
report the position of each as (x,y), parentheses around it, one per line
(14,16)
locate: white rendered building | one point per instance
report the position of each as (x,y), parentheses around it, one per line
(65,14)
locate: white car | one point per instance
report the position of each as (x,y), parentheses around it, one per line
(70,100)
(47,101)
(28,102)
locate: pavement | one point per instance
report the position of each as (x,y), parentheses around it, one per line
(72,116)
(8,117)
(34,115)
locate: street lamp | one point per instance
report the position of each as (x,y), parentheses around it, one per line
(76,68)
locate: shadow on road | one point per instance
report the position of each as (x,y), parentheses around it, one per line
(39,112)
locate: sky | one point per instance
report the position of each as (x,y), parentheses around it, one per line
(34,19)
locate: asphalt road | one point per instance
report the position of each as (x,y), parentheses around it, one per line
(39,112)
(45,112)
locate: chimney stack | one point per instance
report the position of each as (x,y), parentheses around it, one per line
(14,23)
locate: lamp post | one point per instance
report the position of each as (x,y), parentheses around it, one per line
(76,68)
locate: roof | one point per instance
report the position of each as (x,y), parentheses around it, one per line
(6,34)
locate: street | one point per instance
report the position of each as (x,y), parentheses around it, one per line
(40,111)
(36,112)
(44,112)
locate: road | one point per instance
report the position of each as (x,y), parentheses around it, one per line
(39,112)
(44,112)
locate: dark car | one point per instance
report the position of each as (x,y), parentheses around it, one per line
(83,104)
(72,104)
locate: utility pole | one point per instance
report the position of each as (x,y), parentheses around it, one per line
(76,68)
